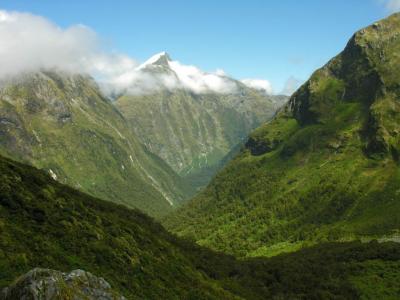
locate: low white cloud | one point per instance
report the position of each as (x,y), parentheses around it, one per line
(220,72)
(258,84)
(391,5)
(138,82)
(199,82)
(29,42)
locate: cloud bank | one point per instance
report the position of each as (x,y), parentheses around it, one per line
(29,43)
(199,81)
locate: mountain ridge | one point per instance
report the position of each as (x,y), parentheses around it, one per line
(325,168)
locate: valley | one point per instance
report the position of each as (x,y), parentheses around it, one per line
(190,131)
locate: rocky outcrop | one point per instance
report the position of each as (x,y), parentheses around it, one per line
(46,284)
(259,147)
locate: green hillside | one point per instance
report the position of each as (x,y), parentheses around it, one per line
(63,124)
(325,169)
(49,225)
(193,132)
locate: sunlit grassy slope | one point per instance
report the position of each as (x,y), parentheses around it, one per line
(325,169)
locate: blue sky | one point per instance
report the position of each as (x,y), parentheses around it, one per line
(272,40)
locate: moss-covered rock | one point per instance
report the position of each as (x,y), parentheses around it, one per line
(46,284)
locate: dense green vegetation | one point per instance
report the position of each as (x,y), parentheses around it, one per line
(63,124)
(46,224)
(194,132)
(325,169)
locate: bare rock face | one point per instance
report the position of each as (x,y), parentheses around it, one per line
(46,284)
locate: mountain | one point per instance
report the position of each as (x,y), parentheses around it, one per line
(60,122)
(326,168)
(47,225)
(188,124)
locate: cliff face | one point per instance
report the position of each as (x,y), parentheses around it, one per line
(365,72)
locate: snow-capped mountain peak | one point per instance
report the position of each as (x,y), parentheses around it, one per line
(161,58)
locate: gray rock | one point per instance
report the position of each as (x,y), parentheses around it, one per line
(45,284)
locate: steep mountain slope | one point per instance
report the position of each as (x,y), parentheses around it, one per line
(327,166)
(49,225)
(193,131)
(62,123)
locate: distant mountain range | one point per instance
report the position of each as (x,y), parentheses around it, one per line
(326,168)
(187,122)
